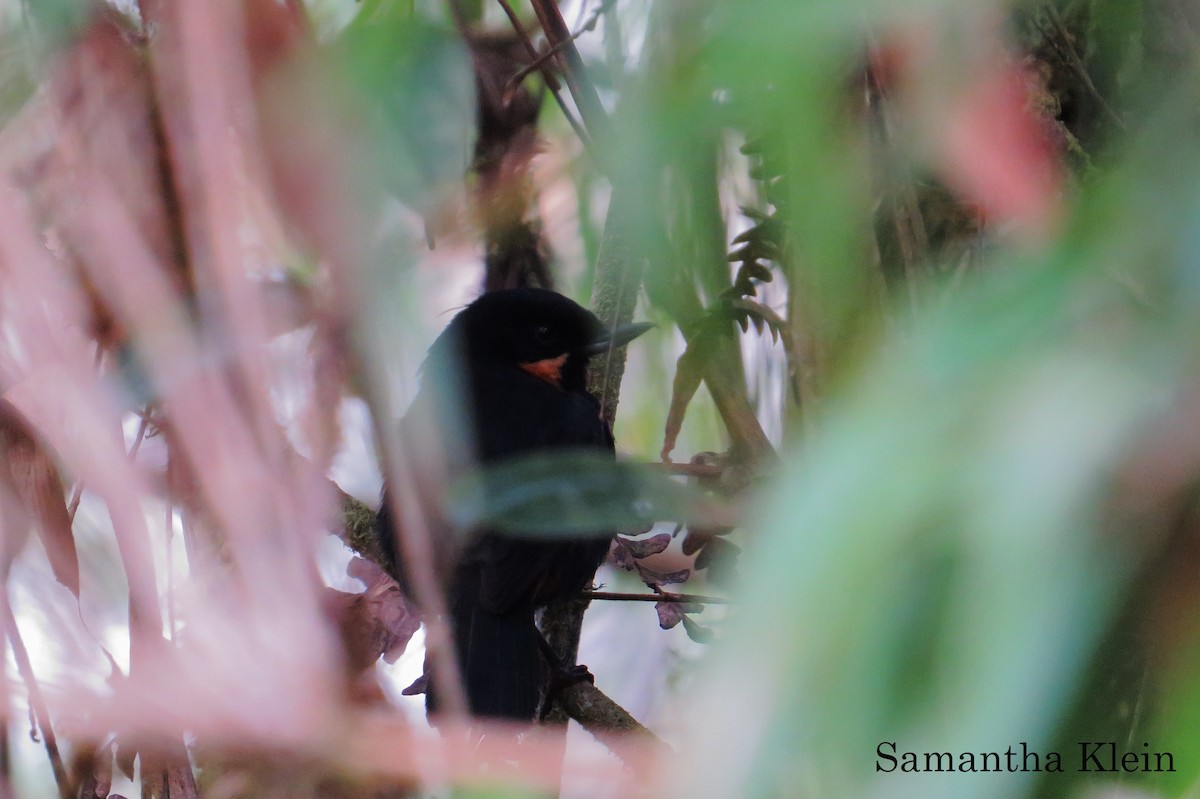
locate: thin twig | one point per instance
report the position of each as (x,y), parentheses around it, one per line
(583,91)
(547,74)
(533,66)
(682,599)
(73,506)
(141,432)
(37,704)
(540,61)
(1072,59)
(170,556)
(531,48)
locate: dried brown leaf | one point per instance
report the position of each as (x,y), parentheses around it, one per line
(694,541)
(32,477)
(655,578)
(93,771)
(669,614)
(377,622)
(689,371)
(619,555)
(645,547)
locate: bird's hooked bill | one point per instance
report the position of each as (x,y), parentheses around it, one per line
(619,337)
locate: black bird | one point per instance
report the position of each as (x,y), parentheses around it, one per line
(505,379)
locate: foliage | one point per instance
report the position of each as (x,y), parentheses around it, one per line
(932,266)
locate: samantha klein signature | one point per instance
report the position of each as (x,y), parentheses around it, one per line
(1095,756)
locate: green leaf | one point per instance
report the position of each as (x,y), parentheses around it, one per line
(572,493)
(414,79)
(59,20)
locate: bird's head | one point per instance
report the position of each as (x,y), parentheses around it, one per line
(544,333)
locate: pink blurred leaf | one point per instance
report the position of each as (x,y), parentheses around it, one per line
(380,620)
(102,96)
(996,151)
(125,759)
(178,780)
(33,479)
(97,781)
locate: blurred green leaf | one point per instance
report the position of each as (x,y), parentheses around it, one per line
(941,558)
(59,20)
(496,792)
(572,493)
(414,77)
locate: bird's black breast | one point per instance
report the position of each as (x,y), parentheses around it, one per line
(518,414)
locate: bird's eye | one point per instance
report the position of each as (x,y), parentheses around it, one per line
(544,334)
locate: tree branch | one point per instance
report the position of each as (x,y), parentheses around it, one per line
(683,599)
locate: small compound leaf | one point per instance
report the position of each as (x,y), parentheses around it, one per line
(759,313)
(645,547)
(722,572)
(694,541)
(716,549)
(655,578)
(697,632)
(669,614)
(619,556)
(756,270)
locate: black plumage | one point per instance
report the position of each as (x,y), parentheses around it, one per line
(506,378)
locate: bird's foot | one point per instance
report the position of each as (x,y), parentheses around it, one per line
(562,677)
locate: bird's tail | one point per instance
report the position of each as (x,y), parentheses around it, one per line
(498,657)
